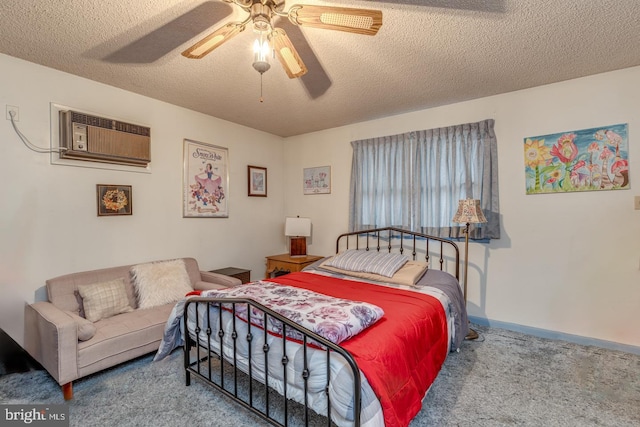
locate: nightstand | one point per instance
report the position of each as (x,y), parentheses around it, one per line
(238,273)
(285,263)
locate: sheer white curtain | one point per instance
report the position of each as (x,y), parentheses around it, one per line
(380,182)
(414,180)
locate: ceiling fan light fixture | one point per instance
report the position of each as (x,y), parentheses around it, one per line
(261,55)
(261,16)
(261,66)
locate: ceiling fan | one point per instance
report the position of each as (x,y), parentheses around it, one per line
(262,14)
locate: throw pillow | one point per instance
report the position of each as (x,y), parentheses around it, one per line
(407,275)
(384,264)
(103,300)
(159,283)
(86,328)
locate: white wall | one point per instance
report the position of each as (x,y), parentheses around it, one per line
(48,217)
(566,262)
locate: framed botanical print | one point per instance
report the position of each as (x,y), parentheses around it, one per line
(205,180)
(114,200)
(257,178)
(317,180)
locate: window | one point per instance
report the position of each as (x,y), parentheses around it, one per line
(415,180)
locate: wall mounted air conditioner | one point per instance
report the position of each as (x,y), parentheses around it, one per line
(99,139)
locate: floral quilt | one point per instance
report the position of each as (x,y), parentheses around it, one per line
(335,319)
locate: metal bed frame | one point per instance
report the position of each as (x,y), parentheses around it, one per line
(208,359)
(446,250)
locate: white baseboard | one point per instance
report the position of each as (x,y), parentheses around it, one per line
(545,333)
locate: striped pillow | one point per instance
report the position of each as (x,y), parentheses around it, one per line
(384,264)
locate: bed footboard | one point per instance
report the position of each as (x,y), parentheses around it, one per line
(224,352)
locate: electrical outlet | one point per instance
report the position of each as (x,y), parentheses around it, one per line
(16,113)
(636,203)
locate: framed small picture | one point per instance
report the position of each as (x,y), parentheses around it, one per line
(257,181)
(114,200)
(317,180)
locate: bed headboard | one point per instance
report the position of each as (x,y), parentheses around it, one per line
(421,247)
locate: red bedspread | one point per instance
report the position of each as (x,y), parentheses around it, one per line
(402,353)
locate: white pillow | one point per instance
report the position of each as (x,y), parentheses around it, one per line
(159,283)
(103,300)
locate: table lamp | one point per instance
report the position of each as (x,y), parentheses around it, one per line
(298,229)
(469,212)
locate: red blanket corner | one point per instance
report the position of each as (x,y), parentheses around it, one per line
(402,353)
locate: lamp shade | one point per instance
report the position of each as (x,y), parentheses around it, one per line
(469,211)
(297,227)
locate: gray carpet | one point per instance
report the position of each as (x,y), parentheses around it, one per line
(503,379)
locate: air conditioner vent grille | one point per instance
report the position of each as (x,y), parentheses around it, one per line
(100,139)
(101,122)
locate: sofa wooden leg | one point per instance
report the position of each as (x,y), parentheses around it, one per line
(67,391)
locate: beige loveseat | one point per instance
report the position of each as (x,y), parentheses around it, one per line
(68,346)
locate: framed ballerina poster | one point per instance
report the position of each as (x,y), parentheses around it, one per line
(205,181)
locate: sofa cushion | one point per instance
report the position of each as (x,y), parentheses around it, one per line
(62,291)
(103,300)
(121,334)
(86,328)
(193,269)
(159,283)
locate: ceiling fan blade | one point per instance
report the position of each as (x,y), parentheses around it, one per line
(287,54)
(316,82)
(159,41)
(360,21)
(213,40)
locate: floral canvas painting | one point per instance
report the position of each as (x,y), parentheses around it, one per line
(584,160)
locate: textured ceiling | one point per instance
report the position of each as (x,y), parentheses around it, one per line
(427,53)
